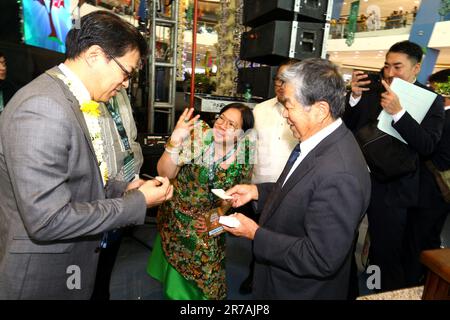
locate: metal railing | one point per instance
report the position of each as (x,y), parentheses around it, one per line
(338,28)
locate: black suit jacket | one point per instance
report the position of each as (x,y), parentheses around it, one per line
(430,195)
(307,228)
(365,111)
(422,138)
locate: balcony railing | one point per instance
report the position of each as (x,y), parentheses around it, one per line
(338,28)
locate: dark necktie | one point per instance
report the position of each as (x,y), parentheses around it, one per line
(294,155)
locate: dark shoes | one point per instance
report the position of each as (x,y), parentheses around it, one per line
(246,285)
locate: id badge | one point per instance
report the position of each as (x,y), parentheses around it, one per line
(128,167)
(212,220)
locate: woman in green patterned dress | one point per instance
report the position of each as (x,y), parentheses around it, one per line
(187,260)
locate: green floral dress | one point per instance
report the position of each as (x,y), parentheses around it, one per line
(198,258)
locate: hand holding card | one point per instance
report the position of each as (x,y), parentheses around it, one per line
(229,221)
(221,194)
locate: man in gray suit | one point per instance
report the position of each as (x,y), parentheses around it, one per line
(310,216)
(55,201)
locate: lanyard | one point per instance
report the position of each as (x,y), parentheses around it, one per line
(128,161)
(114,111)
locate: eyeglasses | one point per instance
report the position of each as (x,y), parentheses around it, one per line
(277,81)
(229,123)
(128,75)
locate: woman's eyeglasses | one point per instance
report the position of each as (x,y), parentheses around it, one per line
(221,119)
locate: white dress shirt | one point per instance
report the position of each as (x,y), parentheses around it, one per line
(78,86)
(275,141)
(310,143)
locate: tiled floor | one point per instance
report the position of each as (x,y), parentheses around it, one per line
(131,282)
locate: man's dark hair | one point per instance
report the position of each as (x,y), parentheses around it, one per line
(107,30)
(246,113)
(411,49)
(317,80)
(2,55)
(440,76)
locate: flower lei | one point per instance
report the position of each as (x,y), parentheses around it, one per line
(91,113)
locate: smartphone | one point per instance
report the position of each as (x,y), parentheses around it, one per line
(375,81)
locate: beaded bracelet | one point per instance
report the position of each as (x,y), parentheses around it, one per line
(172,150)
(171,145)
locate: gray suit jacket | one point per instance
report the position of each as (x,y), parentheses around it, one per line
(53,207)
(307,227)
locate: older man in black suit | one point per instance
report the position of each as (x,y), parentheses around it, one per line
(310,216)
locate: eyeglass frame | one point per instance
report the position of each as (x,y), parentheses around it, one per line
(224,119)
(128,74)
(277,79)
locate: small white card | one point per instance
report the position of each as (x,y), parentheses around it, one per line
(229,221)
(221,194)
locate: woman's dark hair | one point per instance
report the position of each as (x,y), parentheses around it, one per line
(438,77)
(107,30)
(248,120)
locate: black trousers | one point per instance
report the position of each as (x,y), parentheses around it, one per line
(387,227)
(105,266)
(423,233)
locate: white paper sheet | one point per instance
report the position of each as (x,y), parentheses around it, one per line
(414,99)
(221,194)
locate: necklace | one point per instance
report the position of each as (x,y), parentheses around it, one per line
(91,114)
(213,165)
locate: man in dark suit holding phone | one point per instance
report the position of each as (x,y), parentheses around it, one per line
(357,117)
(391,200)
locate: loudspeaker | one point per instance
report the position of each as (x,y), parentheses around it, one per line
(260,79)
(270,43)
(258,12)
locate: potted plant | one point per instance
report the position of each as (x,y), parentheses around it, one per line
(443,88)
